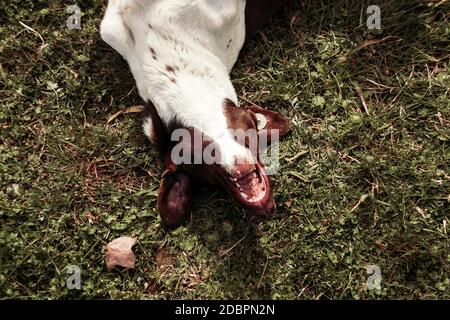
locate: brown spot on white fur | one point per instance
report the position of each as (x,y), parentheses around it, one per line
(170,68)
(153,52)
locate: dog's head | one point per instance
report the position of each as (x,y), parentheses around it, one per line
(230,160)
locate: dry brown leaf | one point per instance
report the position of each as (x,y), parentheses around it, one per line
(132,109)
(119,253)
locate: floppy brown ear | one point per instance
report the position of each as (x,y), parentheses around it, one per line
(174,198)
(268,120)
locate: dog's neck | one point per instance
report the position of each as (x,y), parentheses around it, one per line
(180,53)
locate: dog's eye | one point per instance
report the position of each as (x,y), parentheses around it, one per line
(261,121)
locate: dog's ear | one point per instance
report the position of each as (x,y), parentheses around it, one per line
(174,197)
(269,120)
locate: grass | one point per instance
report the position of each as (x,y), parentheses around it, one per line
(364,178)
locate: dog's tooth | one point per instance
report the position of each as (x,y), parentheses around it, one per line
(244,195)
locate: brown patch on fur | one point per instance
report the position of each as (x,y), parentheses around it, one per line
(245,119)
(239,118)
(275,121)
(153,52)
(170,68)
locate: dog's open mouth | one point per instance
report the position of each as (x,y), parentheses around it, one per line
(250,186)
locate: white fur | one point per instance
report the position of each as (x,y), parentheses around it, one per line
(148,128)
(192,36)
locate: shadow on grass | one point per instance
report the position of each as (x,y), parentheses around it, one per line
(232,240)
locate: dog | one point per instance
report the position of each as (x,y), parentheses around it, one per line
(181,53)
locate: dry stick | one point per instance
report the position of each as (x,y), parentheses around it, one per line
(298,155)
(232,247)
(35,32)
(372,42)
(132,109)
(361,200)
(378,84)
(264,271)
(442,2)
(361,97)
